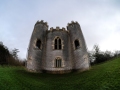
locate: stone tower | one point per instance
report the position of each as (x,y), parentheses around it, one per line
(57,50)
(79,51)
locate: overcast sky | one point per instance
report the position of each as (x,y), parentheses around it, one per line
(99,20)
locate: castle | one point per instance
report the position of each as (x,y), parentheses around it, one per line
(57,50)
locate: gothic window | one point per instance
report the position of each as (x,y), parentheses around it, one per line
(38,44)
(58,62)
(77,44)
(58,43)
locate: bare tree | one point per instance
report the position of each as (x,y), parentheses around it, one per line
(15,53)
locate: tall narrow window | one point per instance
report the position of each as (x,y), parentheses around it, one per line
(38,44)
(57,43)
(77,45)
(58,62)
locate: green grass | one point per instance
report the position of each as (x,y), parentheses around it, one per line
(105,76)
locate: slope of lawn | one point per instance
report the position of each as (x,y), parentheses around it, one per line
(105,76)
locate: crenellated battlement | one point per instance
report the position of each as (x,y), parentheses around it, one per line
(51,28)
(72,23)
(41,22)
(57,29)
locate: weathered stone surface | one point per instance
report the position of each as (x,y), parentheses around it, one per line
(43,59)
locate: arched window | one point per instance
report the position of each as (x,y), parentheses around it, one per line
(38,44)
(58,62)
(58,43)
(77,45)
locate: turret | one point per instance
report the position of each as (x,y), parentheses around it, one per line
(79,51)
(37,44)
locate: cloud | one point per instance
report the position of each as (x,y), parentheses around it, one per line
(99,20)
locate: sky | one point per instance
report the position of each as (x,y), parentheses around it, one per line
(99,21)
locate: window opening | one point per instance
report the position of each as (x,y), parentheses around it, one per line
(58,62)
(38,44)
(57,43)
(77,45)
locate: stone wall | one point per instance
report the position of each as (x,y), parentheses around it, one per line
(35,55)
(52,54)
(43,59)
(80,56)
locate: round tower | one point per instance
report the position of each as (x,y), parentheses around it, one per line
(36,49)
(79,51)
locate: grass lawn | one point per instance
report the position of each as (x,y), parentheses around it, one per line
(105,76)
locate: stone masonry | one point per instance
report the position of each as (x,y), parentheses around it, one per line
(57,50)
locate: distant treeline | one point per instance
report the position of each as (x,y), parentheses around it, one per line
(95,56)
(98,56)
(9,57)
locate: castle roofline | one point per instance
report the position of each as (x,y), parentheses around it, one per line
(72,22)
(57,29)
(41,22)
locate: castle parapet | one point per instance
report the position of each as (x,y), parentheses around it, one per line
(73,23)
(51,29)
(63,28)
(57,29)
(42,22)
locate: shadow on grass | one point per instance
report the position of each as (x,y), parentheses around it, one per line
(26,73)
